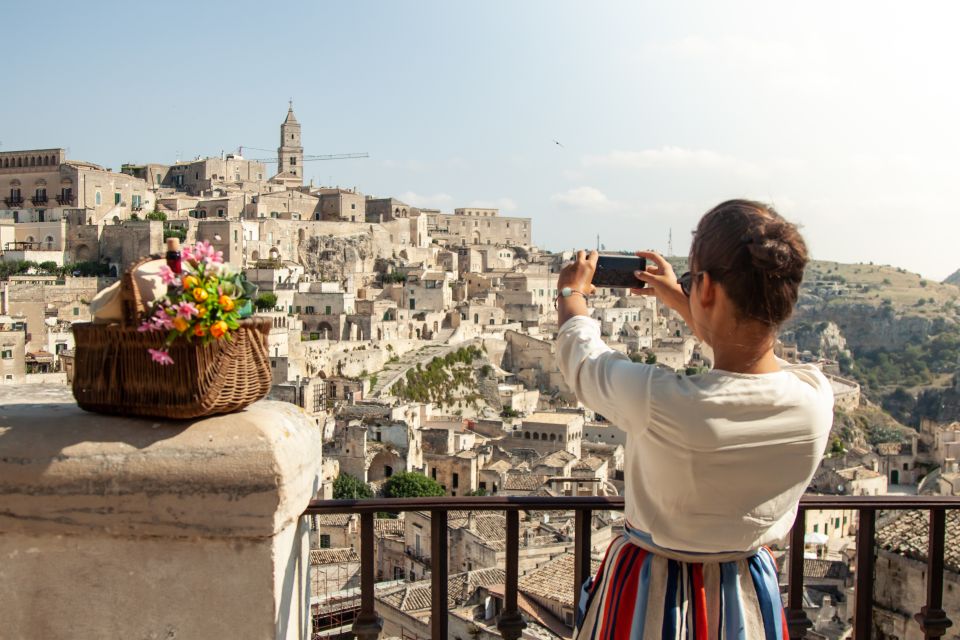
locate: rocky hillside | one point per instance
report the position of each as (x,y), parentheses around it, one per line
(953,278)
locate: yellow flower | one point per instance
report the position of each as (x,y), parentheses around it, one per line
(199,330)
(202,310)
(226,303)
(180,324)
(190,282)
(200,295)
(218,329)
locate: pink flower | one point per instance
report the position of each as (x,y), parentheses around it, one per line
(160,356)
(168,276)
(148,325)
(162,320)
(187,253)
(203,251)
(186,310)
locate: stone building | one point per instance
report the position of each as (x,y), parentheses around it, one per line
(900,574)
(40,185)
(12,350)
(289,153)
(475,226)
(549,432)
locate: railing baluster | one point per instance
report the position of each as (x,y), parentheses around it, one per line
(367,625)
(932,618)
(438,574)
(863,616)
(797,620)
(511,623)
(581,545)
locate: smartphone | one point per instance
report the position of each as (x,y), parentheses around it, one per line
(617,271)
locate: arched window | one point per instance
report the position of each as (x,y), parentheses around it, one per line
(49,242)
(33,162)
(553,437)
(526,435)
(476,318)
(536,436)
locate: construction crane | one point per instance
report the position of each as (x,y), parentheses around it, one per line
(331,156)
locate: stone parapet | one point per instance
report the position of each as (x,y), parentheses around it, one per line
(137,528)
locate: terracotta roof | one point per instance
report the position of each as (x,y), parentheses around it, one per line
(906,535)
(416,596)
(333,556)
(523,482)
(333,519)
(556,459)
(589,464)
(554,580)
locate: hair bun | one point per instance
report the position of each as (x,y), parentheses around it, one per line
(770,252)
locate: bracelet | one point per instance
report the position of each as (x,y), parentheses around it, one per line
(566,292)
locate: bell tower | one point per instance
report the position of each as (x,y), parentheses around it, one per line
(290,152)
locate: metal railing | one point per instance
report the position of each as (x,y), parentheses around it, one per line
(931,618)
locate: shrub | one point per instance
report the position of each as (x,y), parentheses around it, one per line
(408,484)
(266,301)
(346,487)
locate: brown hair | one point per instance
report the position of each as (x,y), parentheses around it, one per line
(755,254)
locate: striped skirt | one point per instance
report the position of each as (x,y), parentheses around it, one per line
(639,593)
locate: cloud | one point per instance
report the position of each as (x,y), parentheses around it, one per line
(504,204)
(672,158)
(434,201)
(585,199)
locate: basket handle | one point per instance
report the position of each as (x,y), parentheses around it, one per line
(131,300)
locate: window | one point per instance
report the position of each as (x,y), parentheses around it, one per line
(310,310)
(293,160)
(6,354)
(76,311)
(324,541)
(456,480)
(220,215)
(96,198)
(816,528)
(135,201)
(387,469)
(413,304)
(353,205)
(327,310)
(433,473)
(116,197)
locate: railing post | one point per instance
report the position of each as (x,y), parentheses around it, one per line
(511,623)
(797,620)
(367,625)
(438,574)
(582,546)
(863,596)
(932,618)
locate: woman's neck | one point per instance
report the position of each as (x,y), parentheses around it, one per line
(745,349)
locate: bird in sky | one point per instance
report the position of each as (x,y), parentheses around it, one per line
(556,142)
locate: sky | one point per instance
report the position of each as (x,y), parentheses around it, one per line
(843,115)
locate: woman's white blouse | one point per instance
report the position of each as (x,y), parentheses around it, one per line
(713,462)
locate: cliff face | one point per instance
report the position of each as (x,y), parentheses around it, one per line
(862,327)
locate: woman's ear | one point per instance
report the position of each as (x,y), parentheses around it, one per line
(707,290)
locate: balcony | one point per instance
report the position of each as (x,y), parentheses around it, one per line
(197,526)
(39,200)
(13,202)
(931,618)
(68,200)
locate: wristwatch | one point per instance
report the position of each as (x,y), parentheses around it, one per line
(566,292)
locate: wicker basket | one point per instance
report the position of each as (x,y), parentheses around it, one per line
(113,372)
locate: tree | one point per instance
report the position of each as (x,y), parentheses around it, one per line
(408,484)
(346,487)
(651,358)
(156,215)
(49,266)
(266,301)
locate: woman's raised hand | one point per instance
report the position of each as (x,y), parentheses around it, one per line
(578,275)
(662,282)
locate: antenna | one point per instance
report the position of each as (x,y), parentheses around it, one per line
(670,243)
(598,243)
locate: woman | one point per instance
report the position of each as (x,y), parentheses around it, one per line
(715,463)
